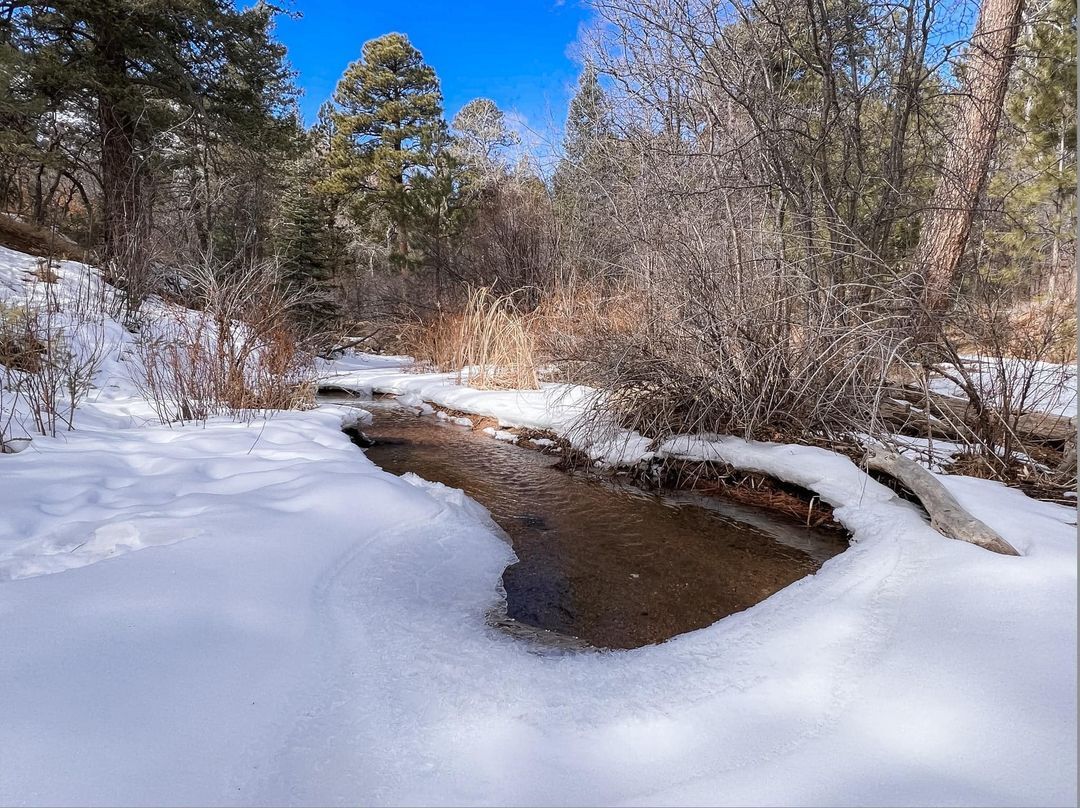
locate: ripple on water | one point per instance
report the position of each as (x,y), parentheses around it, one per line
(612,565)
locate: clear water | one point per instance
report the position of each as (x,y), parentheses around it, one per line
(606,563)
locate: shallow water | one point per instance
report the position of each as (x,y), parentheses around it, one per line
(609,564)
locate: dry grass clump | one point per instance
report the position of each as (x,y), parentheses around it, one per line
(489,344)
(567,320)
(493,344)
(43,272)
(1044,328)
(20,347)
(1039,330)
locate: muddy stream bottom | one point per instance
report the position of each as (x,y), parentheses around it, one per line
(609,564)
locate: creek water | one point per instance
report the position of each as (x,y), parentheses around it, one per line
(606,563)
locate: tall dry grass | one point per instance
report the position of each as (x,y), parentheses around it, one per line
(569,318)
(489,344)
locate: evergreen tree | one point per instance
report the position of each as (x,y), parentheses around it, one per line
(309,252)
(140,68)
(587,176)
(388,115)
(439,205)
(305,243)
(309,243)
(481,138)
(588,120)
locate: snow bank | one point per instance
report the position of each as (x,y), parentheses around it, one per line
(255,614)
(353,417)
(558,408)
(79,300)
(1034,386)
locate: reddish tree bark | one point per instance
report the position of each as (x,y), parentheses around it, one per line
(952,209)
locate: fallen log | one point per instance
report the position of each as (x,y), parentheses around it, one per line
(946,514)
(954,418)
(907,419)
(1045,427)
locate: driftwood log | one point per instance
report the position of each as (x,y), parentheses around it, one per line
(946,514)
(1045,427)
(906,418)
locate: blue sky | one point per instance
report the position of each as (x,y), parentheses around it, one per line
(519,53)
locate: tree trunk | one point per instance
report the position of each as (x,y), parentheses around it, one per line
(119,178)
(986,74)
(401,226)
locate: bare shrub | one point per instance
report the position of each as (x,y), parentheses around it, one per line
(50,350)
(1013,366)
(760,366)
(236,355)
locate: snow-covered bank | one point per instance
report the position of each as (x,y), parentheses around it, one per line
(256,614)
(555,407)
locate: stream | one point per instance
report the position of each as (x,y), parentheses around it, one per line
(607,563)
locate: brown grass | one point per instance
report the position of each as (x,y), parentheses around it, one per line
(43,272)
(490,345)
(20,347)
(1043,330)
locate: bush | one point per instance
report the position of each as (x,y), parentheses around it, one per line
(49,354)
(236,355)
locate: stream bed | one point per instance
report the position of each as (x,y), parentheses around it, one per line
(607,563)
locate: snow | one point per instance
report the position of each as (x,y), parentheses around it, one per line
(457,420)
(500,434)
(1032,385)
(95,340)
(556,407)
(253,613)
(353,417)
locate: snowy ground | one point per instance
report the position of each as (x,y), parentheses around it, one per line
(256,614)
(1031,385)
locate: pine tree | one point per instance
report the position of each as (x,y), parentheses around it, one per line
(305,247)
(439,204)
(587,175)
(309,253)
(481,139)
(139,68)
(388,113)
(588,120)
